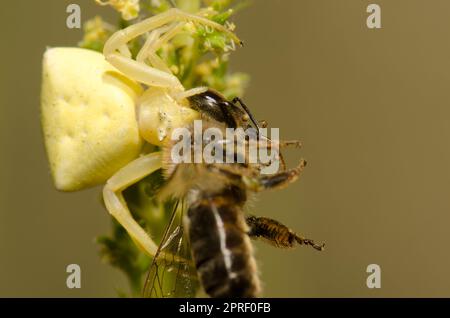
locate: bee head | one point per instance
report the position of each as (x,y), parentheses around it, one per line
(215,106)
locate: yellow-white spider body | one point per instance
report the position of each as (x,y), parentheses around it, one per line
(96,116)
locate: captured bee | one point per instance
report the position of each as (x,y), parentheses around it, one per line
(208,243)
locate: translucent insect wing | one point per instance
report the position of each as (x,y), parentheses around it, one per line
(172,272)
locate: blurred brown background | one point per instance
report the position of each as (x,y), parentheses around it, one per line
(371,106)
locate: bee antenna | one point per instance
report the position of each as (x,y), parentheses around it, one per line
(247,110)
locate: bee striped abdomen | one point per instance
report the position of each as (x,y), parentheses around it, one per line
(221,247)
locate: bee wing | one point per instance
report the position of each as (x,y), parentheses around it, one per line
(172,272)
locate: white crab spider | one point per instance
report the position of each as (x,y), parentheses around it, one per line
(164,87)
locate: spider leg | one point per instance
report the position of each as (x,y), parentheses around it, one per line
(146,54)
(144,73)
(172,15)
(153,43)
(137,69)
(116,205)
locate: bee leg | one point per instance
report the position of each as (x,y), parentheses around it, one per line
(276,233)
(283,163)
(263,123)
(116,205)
(275,181)
(266,143)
